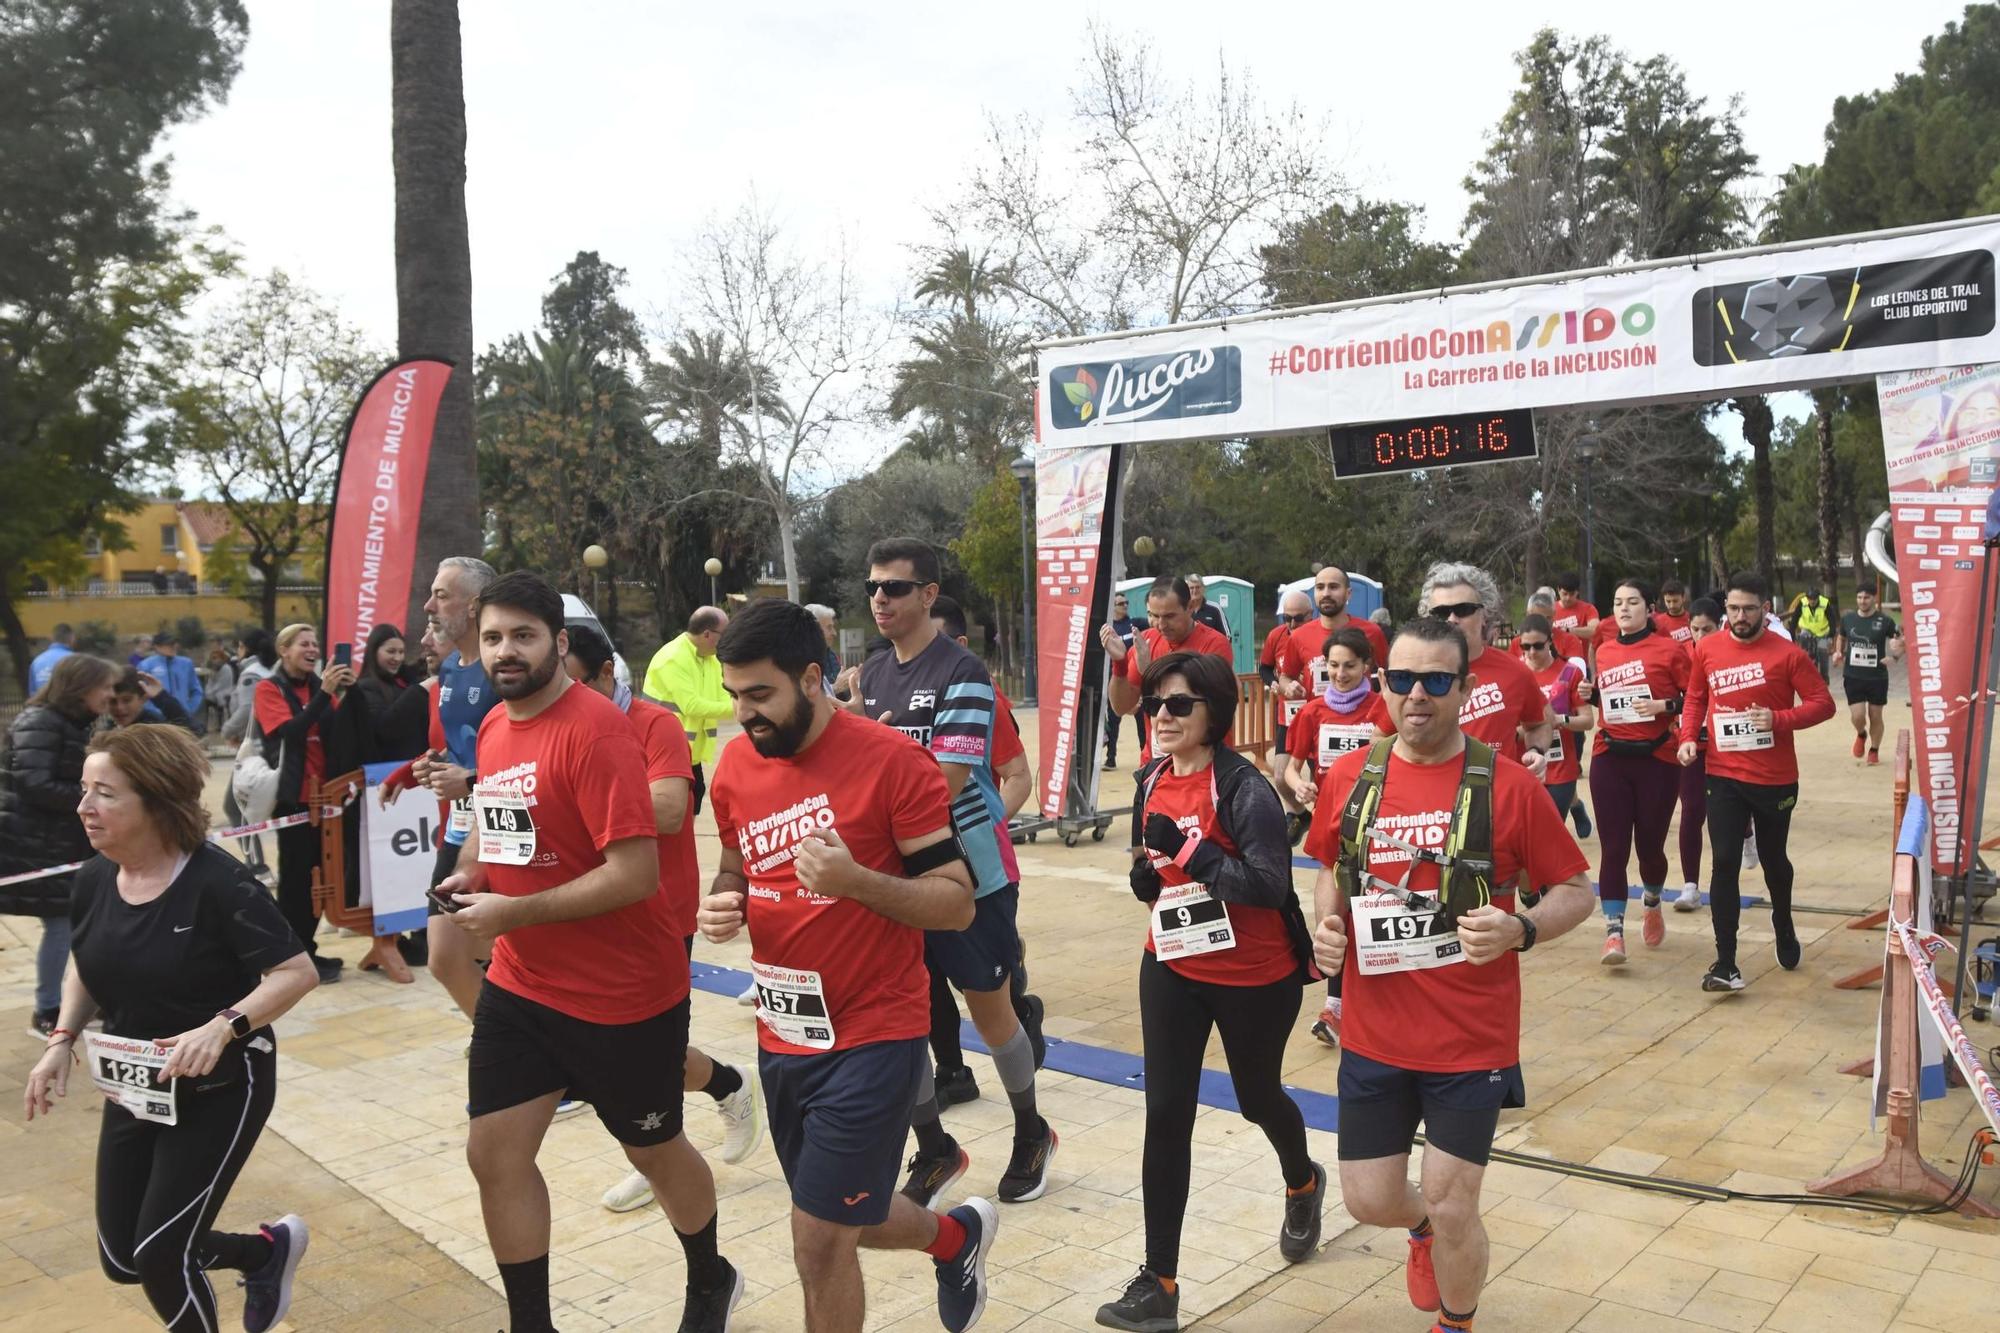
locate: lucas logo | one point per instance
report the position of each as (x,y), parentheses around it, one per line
(1203,382)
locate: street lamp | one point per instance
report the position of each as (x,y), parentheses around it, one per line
(1588,447)
(595,557)
(1023,469)
(713,568)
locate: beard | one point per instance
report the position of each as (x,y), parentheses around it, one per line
(533,680)
(1744,630)
(1331,605)
(787,733)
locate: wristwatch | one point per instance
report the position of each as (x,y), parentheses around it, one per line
(239,1022)
(1527,932)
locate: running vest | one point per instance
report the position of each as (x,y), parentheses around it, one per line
(464,698)
(1813,619)
(1466,862)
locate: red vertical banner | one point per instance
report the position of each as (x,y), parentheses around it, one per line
(372,543)
(1071,488)
(1941,441)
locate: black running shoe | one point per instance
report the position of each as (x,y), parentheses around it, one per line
(1722,977)
(708,1308)
(1030,1010)
(961,1279)
(1027,1174)
(1299,1237)
(267,1293)
(1146,1307)
(1788,942)
(956,1086)
(1299,823)
(930,1177)
(1582,817)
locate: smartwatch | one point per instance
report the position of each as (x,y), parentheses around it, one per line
(239,1022)
(1527,932)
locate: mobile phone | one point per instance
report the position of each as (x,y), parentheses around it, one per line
(444,902)
(343,654)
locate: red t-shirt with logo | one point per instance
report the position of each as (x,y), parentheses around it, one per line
(1656,662)
(1567,645)
(1455,1018)
(1323,733)
(1678,628)
(873,786)
(1305,650)
(665,742)
(1263,951)
(1273,658)
(1574,618)
(1505,700)
(579,765)
(1558,681)
(1729,676)
(1201,639)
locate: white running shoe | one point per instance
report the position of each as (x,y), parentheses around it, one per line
(1750,852)
(742,1127)
(570,1106)
(1690,898)
(635,1191)
(749,995)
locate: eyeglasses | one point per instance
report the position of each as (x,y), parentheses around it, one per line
(1535,646)
(1180,705)
(894,589)
(1436,684)
(1456,610)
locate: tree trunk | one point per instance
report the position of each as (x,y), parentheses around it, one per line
(17,637)
(788,541)
(434,266)
(1824,402)
(1757,427)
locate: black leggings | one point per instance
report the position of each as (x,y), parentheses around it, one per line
(159,1188)
(298,854)
(1732,808)
(1175,1016)
(1635,796)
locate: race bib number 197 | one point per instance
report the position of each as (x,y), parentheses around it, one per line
(1391,937)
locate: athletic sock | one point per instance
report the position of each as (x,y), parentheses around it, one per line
(703,1263)
(1167,1284)
(723,1080)
(1446,1319)
(246,1253)
(1015,1061)
(1294,1191)
(527,1285)
(950,1239)
(932,1141)
(1651,897)
(1614,913)
(1421,1229)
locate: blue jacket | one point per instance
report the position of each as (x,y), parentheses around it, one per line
(44,663)
(180,678)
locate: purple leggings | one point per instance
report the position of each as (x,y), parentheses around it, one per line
(1634,796)
(1694,817)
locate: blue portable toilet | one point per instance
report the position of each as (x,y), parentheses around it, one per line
(1364,595)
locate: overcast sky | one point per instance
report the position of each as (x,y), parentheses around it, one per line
(619,126)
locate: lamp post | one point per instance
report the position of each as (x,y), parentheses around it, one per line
(595,557)
(1023,469)
(1588,447)
(713,568)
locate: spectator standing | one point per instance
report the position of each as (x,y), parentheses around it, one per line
(829,625)
(218,686)
(45,661)
(686,679)
(290,706)
(175,672)
(256,658)
(1204,611)
(390,720)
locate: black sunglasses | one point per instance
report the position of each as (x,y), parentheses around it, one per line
(1533,645)
(1447,610)
(1436,684)
(895,588)
(1180,705)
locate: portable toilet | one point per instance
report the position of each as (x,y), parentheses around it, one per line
(1237,600)
(1364,594)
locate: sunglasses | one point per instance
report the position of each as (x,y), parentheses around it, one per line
(894,589)
(1180,705)
(1534,645)
(1436,684)
(1456,610)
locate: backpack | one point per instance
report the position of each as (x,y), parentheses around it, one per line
(1467,857)
(255,779)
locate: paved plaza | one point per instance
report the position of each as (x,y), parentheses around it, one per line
(1634,1069)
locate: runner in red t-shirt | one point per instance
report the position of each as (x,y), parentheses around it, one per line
(1672,619)
(838,854)
(587,993)
(1293,609)
(1573,717)
(1302,669)
(1634,777)
(1170,629)
(1752,689)
(1433,1021)
(1504,707)
(1572,613)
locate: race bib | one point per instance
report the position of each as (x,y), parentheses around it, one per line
(506,828)
(1337,738)
(128,1072)
(1289,710)
(792,1003)
(1736,732)
(1861,654)
(1556,750)
(460,825)
(1187,921)
(1391,937)
(1620,704)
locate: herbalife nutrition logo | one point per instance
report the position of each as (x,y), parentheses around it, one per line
(1203,383)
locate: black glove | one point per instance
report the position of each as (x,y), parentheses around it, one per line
(1145,880)
(1164,836)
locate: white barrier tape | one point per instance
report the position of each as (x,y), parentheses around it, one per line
(1918,946)
(218,835)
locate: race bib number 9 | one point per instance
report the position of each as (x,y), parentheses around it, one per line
(506,827)
(1861,654)
(1737,732)
(128,1072)
(1391,937)
(1187,922)
(1621,704)
(792,1003)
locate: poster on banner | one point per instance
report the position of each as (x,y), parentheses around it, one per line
(1072,488)
(1834,310)
(398,851)
(1941,444)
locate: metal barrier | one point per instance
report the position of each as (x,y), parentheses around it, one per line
(329,879)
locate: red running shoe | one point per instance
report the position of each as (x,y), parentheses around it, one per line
(1419,1276)
(1860,744)
(1874,757)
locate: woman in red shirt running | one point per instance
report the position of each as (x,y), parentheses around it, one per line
(1560,680)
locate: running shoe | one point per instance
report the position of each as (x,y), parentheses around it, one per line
(267,1293)
(1860,743)
(1874,758)
(1031,1012)
(1326,1028)
(1146,1307)
(1299,1236)
(1722,977)
(1787,947)
(956,1086)
(569,1106)
(1419,1278)
(961,1279)
(1027,1174)
(41,1024)
(707,1309)
(1689,899)
(1653,927)
(1614,949)
(930,1177)
(749,995)
(742,1127)
(328,968)
(1750,861)
(630,1194)
(1110,762)
(1582,817)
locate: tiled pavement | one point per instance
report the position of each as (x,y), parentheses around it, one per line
(1635,1070)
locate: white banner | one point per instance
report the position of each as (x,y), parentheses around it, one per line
(398,851)
(1834,311)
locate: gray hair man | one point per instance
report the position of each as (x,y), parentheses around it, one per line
(1504,707)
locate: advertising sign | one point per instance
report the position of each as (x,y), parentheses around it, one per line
(1071,490)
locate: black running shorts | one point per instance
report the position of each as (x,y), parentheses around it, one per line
(630,1073)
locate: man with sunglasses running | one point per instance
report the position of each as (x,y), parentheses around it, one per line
(1503,707)
(1432,1013)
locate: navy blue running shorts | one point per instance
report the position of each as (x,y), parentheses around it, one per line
(1381,1106)
(839,1120)
(983,955)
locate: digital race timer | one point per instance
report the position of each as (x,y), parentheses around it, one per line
(1421,442)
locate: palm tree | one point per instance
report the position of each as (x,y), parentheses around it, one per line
(434,264)
(963,280)
(704,387)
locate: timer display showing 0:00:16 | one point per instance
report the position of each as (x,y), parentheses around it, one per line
(1442,442)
